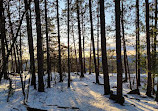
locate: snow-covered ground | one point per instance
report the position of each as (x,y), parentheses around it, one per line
(84,95)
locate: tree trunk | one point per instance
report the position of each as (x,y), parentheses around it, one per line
(39,48)
(118,49)
(137,46)
(93,44)
(149,82)
(47,43)
(103,48)
(12,60)
(80,45)
(124,43)
(3,48)
(68,17)
(84,62)
(12,35)
(13,43)
(155,54)
(90,59)
(17,53)
(129,75)
(98,37)
(58,24)
(30,42)
(75,48)
(21,68)
(15,60)
(3,36)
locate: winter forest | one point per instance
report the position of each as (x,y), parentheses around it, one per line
(78,55)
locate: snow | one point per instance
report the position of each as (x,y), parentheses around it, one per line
(83,95)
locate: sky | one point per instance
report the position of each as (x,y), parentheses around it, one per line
(110,17)
(129,16)
(110,24)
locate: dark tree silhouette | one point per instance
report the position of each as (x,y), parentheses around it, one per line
(137,45)
(2,37)
(149,82)
(103,48)
(156,99)
(59,49)
(39,48)
(20,44)
(80,45)
(47,43)
(83,35)
(68,19)
(30,42)
(90,58)
(118,50)
(98,31)
(124,42)
(93,44)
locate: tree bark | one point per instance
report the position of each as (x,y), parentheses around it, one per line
(80,45)
(21,68)
(90,59)
(93,44)
(137,46)
(98,37)
(149,82)
(75,48)
(12,36)
(59,50)
(47,43)
(39,48)
(3,36)
(68,17)
(129,75)
(155,54)
(84,62)
(124,42)
(12,45)
(30,42)
(118,49)
(103,48)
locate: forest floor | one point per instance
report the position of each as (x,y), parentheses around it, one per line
(83,95)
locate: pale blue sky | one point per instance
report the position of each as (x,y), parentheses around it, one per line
(110,17)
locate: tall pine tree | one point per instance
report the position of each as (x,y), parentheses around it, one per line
(39,48)
(103,48)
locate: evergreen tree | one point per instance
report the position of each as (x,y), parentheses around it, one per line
(149,82)
(39,48)
(30,42)
(103,48)
(80,45)
(93,44)
(118,52)
(59,49)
